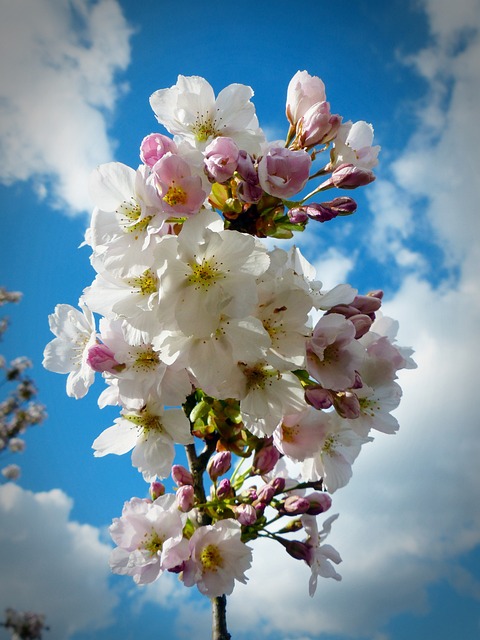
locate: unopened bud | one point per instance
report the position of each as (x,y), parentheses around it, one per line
(219,464)
(348,176)
(367,304)
(278,484)
(265,494)
(181,476)
(185,497)
(157,489)
(245,514)
(155,146)
(224,489)
(362,324)
(346,405)
(102,359)
(319,502)
(318,397)
(298,550)
(265,459)
(295,505)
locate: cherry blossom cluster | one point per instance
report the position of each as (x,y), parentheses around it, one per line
(210,339)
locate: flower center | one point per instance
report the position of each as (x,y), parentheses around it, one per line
(258,376)
(175,195)
(203,129)
(153,544)
(330,444)
(146,360)
(289,434)
(369,407)
(147,282)
(211,558)
(204,274)
(130,210)
(147,421)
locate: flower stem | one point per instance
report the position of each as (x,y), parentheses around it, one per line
(219,618)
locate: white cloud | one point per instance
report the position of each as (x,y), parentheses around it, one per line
(440,166)
(52,565)
(333,268)
(58,66)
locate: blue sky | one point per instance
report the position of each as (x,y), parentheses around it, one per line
(75,81)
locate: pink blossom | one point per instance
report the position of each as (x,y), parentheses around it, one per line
(149,536)
(221,158)
(155,146)
(301,433)
(333,354)
(282,172)
(303,91)
(218,558)
(180,191)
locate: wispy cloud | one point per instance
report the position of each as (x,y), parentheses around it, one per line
(58,68)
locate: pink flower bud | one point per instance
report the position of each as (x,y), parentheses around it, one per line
(154,146)
(297,215)
(319,397)
(245,514)
(246,167)
(265,459)
(317,126)
(249,193)
(102,359)
(282,172)
(299,550)
(157,489)
(224,489)
(278,484)
(368,304)
(185,497)
(295,505)
(342,206)
(348,176)
(219,464)
(319,502)
(265,494)
(221,157)
(346,405)
(181,476)
(362,324)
